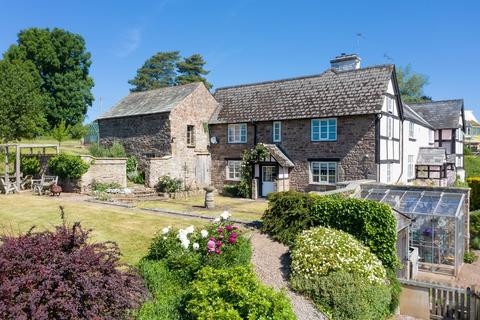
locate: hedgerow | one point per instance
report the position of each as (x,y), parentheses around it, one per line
(372,223)
(474,184)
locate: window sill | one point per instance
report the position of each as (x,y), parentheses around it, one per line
(323,140)
(234,180)
(412,139)
(322,183)
(237,142)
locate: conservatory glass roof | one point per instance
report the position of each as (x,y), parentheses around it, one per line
(417,202)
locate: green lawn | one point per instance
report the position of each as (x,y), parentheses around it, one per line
(472,166)
(68,146)
(131,229)
(243,209)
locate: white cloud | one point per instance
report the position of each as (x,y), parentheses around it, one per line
(131,39)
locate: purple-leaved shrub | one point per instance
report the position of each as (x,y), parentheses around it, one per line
(60,275)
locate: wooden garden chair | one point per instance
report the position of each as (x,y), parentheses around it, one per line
(7,187)
(39,186)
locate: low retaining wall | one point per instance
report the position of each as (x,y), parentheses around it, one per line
(104,170)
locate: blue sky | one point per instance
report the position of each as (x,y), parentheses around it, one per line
(249,41)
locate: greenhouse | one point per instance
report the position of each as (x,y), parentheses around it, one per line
(437,229)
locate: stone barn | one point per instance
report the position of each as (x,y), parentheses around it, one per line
(166,129)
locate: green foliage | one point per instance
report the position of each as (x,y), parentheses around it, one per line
(68,166)
(467,151)
(395,290)
(475,224)
(61,60)
(469,257)
(21,101)
(138,177)
(319,251)
(234,293)
(78,131)
(116,150)
(472,166)
(346,296)
(190,70)
(102,187)
(289,213)
(411,85)
(475,243)
(164,69)
(132,164)
(167,292)
(157,72)
(474,184)
(168,184)
(29,165)
(460,184)
(249,158)
(60,132)
(231,190)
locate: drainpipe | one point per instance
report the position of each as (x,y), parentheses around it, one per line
(254,132)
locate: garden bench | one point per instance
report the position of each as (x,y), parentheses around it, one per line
(39,186)
(7,187)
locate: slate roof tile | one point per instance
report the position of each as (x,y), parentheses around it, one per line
(441,114)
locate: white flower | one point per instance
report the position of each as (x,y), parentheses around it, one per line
(166,230)
(204,233)
(225,215)
(216,220)
(185,243)
(195,246)
(164,238)
(189,230)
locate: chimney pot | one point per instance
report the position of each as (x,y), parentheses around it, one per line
(345,62)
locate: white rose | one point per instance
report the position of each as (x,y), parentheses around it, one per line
(216,220)
(195,246)
(225,215)
(189,229)
(185,243)
(204,233)
(166,230)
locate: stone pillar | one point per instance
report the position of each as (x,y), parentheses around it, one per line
(209,198)
(254,189)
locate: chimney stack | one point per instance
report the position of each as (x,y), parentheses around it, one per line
(346,62)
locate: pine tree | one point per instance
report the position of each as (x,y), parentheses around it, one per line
(191,70)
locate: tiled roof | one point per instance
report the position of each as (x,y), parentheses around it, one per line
(411,115)
(332,93)
(441,114)
(431,156)
(279,155)
(152,101)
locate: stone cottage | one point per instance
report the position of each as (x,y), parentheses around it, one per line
(166,129)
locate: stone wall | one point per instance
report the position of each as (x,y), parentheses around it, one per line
(142,136)
(354,149)
(104,170)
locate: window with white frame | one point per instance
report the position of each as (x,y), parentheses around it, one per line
(277,131)
(390,105)
(323,172)
(234,168)
(324,129)
(411,130)
(237,133)
(389,127)
(411,167)
(430,136)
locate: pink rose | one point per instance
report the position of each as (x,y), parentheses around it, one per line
(235,227)
(229,228)
(232,240)
(233,234)
(221,237)
(218,251)
(211,244)
(220,230)
(212,239)
(219,243)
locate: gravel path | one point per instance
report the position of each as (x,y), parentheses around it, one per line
(271,261)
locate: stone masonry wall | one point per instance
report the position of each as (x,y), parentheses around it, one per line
(354,149)
(104,170)
(195,110)
(140,135)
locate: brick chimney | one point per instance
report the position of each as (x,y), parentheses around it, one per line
(345,62)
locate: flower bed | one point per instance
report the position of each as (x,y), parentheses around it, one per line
(182,256)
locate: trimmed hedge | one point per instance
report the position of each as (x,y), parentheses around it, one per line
(372,223)
(474,184)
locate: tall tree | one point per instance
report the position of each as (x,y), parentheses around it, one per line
(21,101)
(190,69)
(411,85)
(157,72)
(62,63)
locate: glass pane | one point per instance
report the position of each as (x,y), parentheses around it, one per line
(332,136)
(376,194)
(393,197)
(409,201)
(332,122)
(428,203)
(449,204)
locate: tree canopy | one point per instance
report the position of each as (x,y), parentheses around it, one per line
(167,69)
(411,85)
(62,63)
(21,102)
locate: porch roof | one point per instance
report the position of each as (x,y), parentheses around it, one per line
(432,156)
(279,155)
